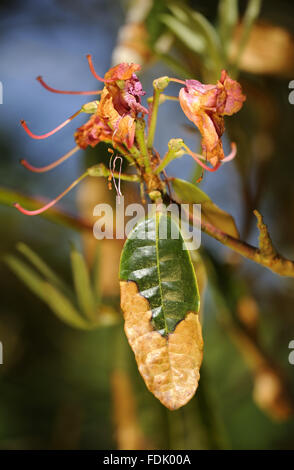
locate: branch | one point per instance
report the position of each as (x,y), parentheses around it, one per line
(265,255)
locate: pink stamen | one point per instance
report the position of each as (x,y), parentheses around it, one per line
(43,169)
(198,158)
(52,203)
(63,92)
(93,71)
(182,82)
(208,168)
(44,136)
(232,154)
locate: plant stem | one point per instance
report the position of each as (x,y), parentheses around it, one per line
(140,137)
(175,150)
(101,170)
(153,119)
(275,262)
(122,150)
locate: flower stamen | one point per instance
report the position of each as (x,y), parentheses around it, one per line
(48,134)
(53,202)
(177,80)
(231,155)
(66,92)
(198,158)
(43,169)
(93,71)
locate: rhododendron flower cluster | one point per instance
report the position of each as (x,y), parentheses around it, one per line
(118,119)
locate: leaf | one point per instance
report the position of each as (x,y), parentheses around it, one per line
(64,309)
(212,39)
(39,264)
(82,285)
(175,65)
(191,39)
(58,302)
(228,18)
(201,28)
(27,275)
(160,301)
(95,275)
(162,269)
(152,21)
(251,14)
(210,212)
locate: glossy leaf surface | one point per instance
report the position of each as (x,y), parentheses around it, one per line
(160,302)
(162,270)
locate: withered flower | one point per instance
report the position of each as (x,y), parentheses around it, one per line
(117,109)
(121,101)
(206,106)
(113,118)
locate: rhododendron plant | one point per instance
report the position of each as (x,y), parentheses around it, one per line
(160,297)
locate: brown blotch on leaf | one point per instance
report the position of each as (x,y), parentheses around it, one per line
(169,365)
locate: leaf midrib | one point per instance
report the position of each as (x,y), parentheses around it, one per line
(158,270)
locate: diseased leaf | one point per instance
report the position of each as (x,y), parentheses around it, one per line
(189,193)
(169,365)
(160,301)
(162,269)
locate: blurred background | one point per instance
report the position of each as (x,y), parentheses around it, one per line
(66,387)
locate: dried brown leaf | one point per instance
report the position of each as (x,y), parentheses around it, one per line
(169,365)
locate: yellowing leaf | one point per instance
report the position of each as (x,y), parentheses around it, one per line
(168,364)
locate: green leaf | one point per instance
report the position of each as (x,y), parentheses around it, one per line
(250,16)
(210,212)
(39,264)
(27,275)
(162,270)
(228,18)
(95,275)
(183,32)
(64,309)
(82,285)
(152,22)
(206,34)
(57,301)
(174,65)
(209,32)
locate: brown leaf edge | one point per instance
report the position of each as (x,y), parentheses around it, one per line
(169,365)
